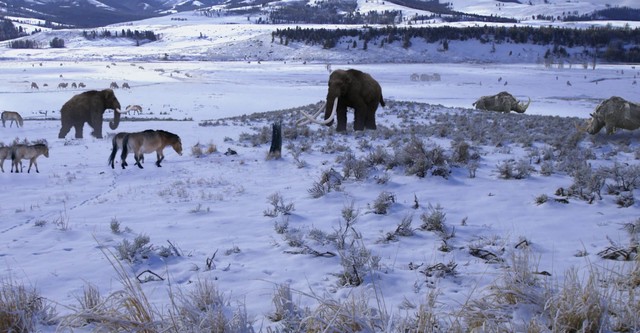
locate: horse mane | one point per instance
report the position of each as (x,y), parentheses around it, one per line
(168,134)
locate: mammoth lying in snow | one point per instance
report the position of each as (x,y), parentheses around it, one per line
(612,113)
(502,102)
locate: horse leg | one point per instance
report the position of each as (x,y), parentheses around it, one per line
(124,161)
(138,161)
(160,157)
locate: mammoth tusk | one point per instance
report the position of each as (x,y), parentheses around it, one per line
(118,111)
(326,121)
(307,117)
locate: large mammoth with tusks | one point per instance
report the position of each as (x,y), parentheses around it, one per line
(89,107)
(355,89)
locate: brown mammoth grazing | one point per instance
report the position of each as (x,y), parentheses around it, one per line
(613,113)
(502,102)
(89,107)
(355,89)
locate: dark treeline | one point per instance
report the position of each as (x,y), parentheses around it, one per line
(9,31)
(612,44)
(345,12)
(24,44)
(618,14)
(133,34)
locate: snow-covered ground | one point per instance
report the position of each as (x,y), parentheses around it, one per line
(217,202)
(55,224)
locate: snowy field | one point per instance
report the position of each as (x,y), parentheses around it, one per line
(209,211)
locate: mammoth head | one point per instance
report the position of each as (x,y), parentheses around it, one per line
(111,102)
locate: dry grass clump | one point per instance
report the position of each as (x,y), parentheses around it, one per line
(353,314)
(22,308)
(579,306)
(200,150)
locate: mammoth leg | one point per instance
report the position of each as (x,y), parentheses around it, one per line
(97,131)
(370,116)
(64,131)
(78,128)
(359,116)
(341,115)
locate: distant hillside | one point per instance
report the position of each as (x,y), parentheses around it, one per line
(98,13)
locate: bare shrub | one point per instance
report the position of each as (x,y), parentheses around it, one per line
(383,202)
(542,198)
(279,207)
(433,219)
(461,152)
(134,251)
(330,180)
(352,166)
(403,229)
(626,177)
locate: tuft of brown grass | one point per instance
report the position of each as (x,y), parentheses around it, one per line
(21,308)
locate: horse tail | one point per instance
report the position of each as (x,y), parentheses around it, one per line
(20,120)
(112,157)
(125,147)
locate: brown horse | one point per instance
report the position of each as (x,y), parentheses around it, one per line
(14,117)
(117,144)
(5,152)
(148,141)
(27,152)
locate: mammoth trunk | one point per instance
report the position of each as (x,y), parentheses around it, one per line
(116,119)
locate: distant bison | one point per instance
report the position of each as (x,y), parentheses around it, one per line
(612,113)
(502,102)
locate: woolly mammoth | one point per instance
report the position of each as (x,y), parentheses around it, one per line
(89,107)
(613,113)
(502,102)
(355,89)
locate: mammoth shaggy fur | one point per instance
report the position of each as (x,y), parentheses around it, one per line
(502,102)
(89,107)
(612,113)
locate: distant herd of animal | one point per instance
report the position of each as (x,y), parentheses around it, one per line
(347,89)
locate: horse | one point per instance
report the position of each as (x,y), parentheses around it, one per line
(5,152)
(148,141)
(117,144)
(27,152)
(14,117)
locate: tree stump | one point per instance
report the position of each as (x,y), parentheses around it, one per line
(275,152)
